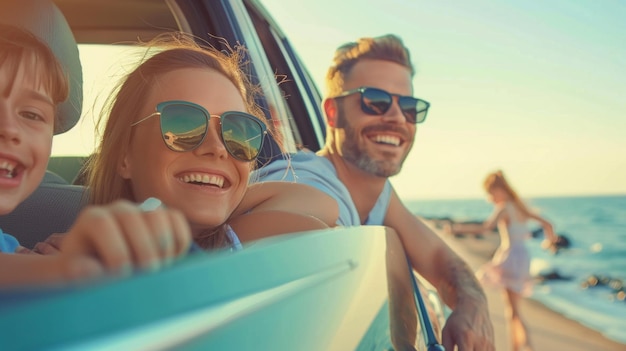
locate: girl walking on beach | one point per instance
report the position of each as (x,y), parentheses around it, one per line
(510,265)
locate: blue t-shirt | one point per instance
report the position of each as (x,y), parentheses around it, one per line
(306,167)
(8,243)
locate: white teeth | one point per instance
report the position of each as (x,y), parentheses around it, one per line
(387,139)
(9,167)
(204,179)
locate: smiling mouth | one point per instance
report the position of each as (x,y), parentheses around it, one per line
(386,139)
(203,179)
(8,169)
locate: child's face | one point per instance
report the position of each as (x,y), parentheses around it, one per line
(155,170)
(26,129)
(497,195)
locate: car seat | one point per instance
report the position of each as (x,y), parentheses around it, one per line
(54,205)
(51,208)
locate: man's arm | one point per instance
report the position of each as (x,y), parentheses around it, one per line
(469,325)
(431,257)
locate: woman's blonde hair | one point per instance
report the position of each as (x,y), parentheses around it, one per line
(175,51)
(496,180)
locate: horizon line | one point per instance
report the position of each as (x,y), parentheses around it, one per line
(474,197)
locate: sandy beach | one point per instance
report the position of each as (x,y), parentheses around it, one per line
(549,330)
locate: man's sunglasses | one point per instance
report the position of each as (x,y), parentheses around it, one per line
(377,102)
(184,126)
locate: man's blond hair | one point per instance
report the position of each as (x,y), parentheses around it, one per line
(387,48)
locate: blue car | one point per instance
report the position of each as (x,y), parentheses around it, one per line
(340,289)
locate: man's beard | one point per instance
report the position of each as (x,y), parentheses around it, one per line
(358,156)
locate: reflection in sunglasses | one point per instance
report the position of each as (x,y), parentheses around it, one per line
(184,141)
(377,106)
(239,150)
(184,126)
(377,102)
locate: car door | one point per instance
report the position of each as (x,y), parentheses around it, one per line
(341,289)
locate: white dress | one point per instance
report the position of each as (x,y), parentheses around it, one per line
(509,268)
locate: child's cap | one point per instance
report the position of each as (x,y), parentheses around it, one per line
(47,23)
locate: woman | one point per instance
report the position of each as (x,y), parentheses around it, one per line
(184,128)
(509,267)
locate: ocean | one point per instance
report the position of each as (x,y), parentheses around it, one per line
(596,227)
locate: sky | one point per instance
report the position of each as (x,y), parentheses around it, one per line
(536,89)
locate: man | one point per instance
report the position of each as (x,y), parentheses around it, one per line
(371,123)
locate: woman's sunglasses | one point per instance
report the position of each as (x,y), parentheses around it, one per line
(377,102)
(184,126)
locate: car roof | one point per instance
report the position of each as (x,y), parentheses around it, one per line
(236,21)
(108,21)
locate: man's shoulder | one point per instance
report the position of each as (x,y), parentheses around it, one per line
(306,158)
(304,167)
(301,163)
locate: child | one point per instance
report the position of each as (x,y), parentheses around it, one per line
(509,267)
(32,84)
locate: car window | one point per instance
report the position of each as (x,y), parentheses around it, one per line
(103,67)
(299,93)
(289,104)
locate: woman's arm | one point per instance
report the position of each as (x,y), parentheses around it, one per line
(548,230)
(111,239)
(123,236)
(38,270)
(261,224)
(289,197)
(477,228)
